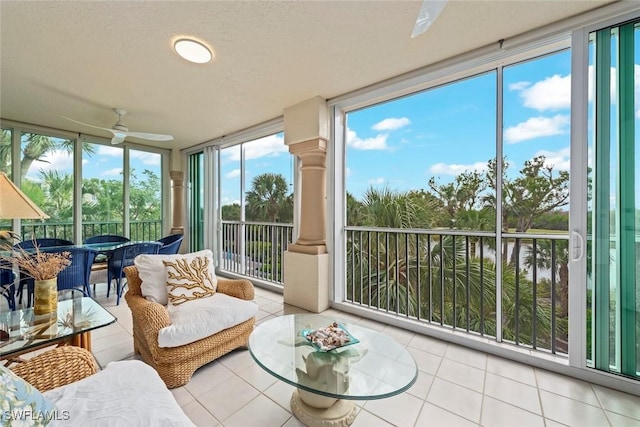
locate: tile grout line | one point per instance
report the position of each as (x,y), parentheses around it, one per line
(484,388)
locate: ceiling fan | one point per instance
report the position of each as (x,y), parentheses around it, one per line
(427,15)
(120,131)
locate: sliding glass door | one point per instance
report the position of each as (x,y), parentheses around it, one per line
(613,264)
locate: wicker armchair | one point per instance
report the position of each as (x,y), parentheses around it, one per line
(176,365)
(56,368)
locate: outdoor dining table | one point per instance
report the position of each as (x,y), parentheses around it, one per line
(8,287)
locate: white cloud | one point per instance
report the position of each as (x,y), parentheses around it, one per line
(552,93)
(112,172)
(55,160)
(149,159)
(229,201)
(232,174)
(454,169)
(269,146)
(391,123)
(348,172)
(378,142)
(559,160)
(536,127)
(519,85)
(107,150)
(376,181)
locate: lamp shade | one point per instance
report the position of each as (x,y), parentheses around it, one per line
(15,204)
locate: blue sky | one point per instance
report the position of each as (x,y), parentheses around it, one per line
(106,163)
(451,129)
(441,132)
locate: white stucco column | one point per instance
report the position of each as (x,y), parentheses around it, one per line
(306,262)
(177,202)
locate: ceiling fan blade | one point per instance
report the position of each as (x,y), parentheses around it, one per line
(427,15)
(86,124)
(150,136)
(117,139)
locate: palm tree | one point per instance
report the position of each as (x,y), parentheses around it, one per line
(435,276)
(383,266)
(553,256)
(5,151)
(388,208)
(58,189)
(268,193)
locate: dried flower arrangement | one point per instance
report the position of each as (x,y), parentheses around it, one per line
(36,264)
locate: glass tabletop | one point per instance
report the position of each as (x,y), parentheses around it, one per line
(373,368)
(26,330)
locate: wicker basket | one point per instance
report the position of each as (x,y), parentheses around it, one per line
(57,367)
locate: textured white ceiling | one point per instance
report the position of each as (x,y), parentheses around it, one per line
(80,59)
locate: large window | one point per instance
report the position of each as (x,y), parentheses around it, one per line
(535,201)
(102,190)
(110,203)
(453,224)
(46,176)
(256,203)
(145,195)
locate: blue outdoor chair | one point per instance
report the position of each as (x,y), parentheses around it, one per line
(7,287)
(123,257)
(76,275)
(170,244)
(27,245)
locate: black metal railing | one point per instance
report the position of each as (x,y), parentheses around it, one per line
(448,278)
(138,230)
(255,249)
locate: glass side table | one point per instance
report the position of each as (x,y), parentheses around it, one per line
(327,382)
(21,331)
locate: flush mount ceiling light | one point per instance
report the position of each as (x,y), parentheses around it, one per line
(192,50)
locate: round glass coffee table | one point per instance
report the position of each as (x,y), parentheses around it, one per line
(327,382)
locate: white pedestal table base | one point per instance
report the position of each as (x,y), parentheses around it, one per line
(315,410)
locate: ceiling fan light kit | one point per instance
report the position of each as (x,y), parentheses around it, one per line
(427,15)
(120,131)
(192,50)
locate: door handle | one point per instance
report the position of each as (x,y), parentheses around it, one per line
(580,246)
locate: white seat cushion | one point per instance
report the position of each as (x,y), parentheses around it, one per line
(204,317)
(127,393)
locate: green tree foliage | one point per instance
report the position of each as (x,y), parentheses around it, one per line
(267,197)
(444,279)
(145,196)
(231,212)
(58,191)
(389,208)
(463,194)
(5,151)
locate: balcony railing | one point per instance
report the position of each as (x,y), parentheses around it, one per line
(255,249)
(448,278)
(138,230)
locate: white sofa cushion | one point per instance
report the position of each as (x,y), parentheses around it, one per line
(127,393)
(204,317)
(154,277)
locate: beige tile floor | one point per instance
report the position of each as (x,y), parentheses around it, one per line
(455,386)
